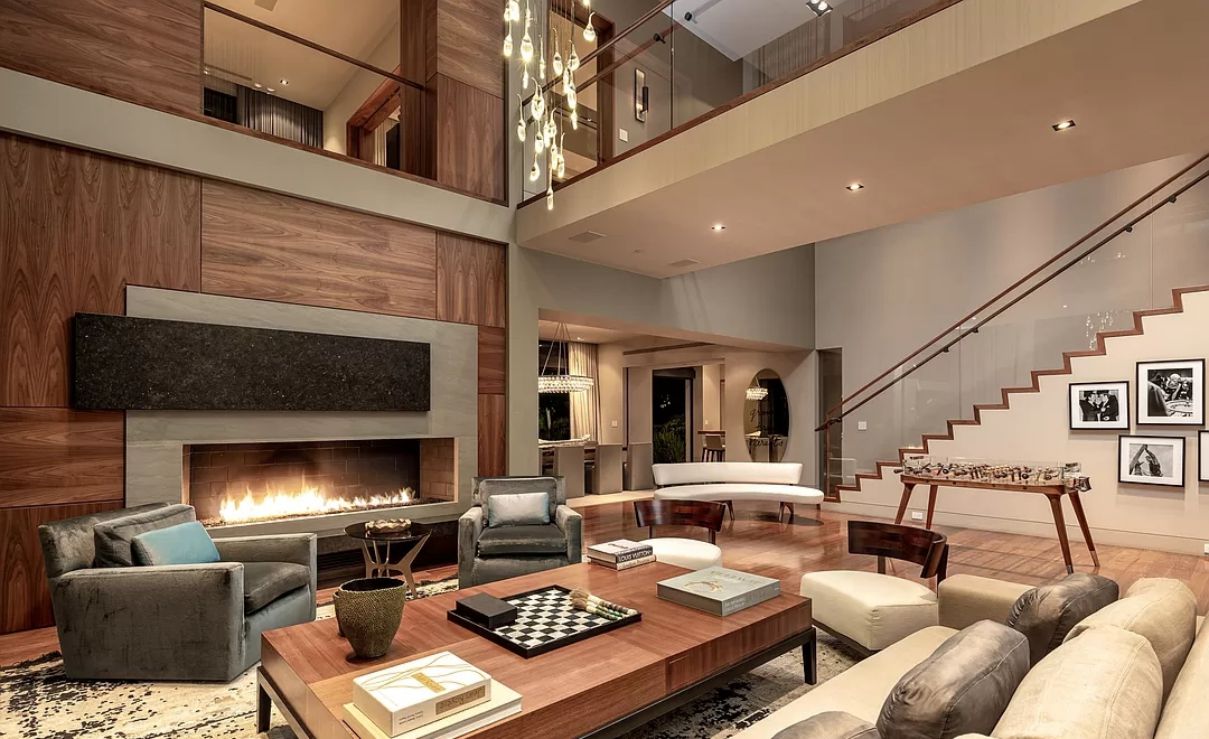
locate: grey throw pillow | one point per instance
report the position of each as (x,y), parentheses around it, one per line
(963,688)
(518,509)
(830,725)
(1046,614)
(112,539)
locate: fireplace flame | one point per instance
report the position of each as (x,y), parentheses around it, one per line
(310,501)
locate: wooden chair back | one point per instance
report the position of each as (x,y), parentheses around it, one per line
(926,548)
(703,513)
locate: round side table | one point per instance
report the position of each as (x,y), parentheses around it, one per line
(390,553)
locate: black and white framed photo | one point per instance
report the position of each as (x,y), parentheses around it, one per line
(1151,460)
(1099,405)
(1171,393)
(1202,459)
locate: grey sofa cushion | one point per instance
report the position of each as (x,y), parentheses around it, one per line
(485,487)
(518,509)
(962,688)
(69,544)
(1046,614)
(265,582)
(502,540)
(112,539)
(830,725)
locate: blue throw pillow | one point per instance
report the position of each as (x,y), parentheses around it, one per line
(183,544)
(518,509)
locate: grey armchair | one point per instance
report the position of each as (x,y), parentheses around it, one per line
(175,622)
(486,555)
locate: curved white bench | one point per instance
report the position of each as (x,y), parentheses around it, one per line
(725,482)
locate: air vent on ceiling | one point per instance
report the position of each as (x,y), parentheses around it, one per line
(685,263)
(587,237)
(268,5)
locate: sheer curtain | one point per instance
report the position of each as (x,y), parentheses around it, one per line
(585,407)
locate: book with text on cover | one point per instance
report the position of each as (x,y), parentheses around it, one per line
(718,590)
(504,703)
(618,551)
(419,692)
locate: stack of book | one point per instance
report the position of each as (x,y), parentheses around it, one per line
(621,554)
(435,697)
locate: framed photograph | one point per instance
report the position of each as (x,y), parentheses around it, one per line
(1202,460)
(1171,393)
(1099,405)
(1151,460)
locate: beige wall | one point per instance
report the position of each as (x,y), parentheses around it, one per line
(1035,428)
(360,86)
(610,383)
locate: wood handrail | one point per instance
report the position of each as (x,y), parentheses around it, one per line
(311,44)
(830,417)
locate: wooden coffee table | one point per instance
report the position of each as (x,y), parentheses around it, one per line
(601,687)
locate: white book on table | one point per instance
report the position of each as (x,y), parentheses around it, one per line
(504,702)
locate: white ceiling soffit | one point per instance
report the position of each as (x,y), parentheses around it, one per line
(731,27)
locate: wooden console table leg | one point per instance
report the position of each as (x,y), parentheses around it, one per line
(931,505)
(1077,504)
(902,503)
(1055,505)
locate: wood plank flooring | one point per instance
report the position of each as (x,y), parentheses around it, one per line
(757,542)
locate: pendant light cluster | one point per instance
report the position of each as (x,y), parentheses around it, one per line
(548,135)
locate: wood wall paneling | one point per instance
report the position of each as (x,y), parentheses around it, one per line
(471,281)
(75,228)
(257,244)
(26,601)
(470,138)
(493,446)
(57,455)
(492,360)
(144,51)
(469,36)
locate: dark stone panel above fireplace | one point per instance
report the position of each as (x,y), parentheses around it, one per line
(123,363)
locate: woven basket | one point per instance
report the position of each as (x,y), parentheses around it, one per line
(368,612)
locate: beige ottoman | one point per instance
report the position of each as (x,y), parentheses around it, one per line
(691,554)
(870,609)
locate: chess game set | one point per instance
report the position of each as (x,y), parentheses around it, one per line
(539,621)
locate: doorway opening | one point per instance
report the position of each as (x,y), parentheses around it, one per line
(836,470)
(672,414)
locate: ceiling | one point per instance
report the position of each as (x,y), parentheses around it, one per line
(247,55)
(546,329)
(1134,80)
(730,27)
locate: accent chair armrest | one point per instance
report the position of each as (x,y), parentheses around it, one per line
(571,523)
(966,599)
(470,527)
(295,548)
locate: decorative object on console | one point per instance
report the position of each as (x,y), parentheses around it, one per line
(1171,393)
(1203,459)
(718,590)
(1151,460)
(546,620)
(487,610)
(585,601)
(418,692)
(1099,405)
(387,525)
(368,612)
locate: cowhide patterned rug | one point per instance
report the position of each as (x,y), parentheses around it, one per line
(38,702)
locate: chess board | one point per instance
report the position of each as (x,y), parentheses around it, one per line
(545,621)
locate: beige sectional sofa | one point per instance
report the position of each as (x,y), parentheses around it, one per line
(1135,669)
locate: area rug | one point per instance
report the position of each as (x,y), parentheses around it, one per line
(38,702)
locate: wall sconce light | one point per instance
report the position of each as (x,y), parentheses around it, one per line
(642,95)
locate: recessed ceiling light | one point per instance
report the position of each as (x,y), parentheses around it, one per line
(270,89)
(579,338)
(285,81)
(717,227)
(207,71)
(1064,125)
(855,186)
(258,85)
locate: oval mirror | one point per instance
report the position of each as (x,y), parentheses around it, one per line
(766,417)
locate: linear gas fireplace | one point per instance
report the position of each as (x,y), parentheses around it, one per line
(235,484)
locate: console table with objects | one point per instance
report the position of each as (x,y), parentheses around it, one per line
(603,686)
(1053,483)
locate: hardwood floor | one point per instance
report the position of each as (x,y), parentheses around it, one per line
(757,542)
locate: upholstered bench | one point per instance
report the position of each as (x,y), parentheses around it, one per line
(726,482)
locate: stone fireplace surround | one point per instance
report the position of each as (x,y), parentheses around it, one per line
(156,440)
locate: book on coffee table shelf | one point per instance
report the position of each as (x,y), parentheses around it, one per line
(417,693)
(627,565)
(718,590)
(619,552)
(504,702)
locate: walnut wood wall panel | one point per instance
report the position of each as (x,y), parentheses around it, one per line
(144,51)
(471,281)
(492,358)
(257,244)
(26,601)
(57,455)
(469,138)
(493,446)
(75,228)
(469,36)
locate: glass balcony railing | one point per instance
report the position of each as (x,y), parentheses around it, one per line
(677,62)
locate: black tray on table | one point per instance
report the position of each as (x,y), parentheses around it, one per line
(545,621)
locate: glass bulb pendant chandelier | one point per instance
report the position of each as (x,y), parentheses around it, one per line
(564,381)
(757,393)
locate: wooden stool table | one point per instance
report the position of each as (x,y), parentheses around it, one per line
(1053,492)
